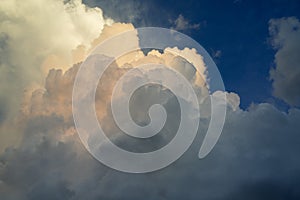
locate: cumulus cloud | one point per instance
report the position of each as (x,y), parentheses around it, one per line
(256,156)
(285,38)
(35,36)
(41,34)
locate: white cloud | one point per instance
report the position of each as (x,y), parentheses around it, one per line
(257,146)
(35,36)
(285,38)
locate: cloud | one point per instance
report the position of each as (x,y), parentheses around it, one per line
(255,157)
(242,161)
(285,38)
(217,53)
(35,36)
(130,11)
(48,128)
(182,24)
(24,32)
(256,153)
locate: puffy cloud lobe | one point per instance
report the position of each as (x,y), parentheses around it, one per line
(35,36)
(33,30)
(285,37)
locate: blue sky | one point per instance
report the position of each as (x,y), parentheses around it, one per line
(239,29)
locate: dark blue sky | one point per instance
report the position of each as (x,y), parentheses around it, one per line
(238,28)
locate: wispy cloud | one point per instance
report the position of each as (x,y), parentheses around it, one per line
(181,24)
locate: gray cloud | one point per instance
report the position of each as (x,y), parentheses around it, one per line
(182,24)
(250,152)
(285,38)
(256,156)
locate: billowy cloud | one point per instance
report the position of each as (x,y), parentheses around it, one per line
(285,38)
(253,153)
(35,36)
(255,158)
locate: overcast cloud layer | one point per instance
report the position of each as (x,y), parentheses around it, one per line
(255,158)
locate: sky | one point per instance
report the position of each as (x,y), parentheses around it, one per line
(233,28)
(255,45)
